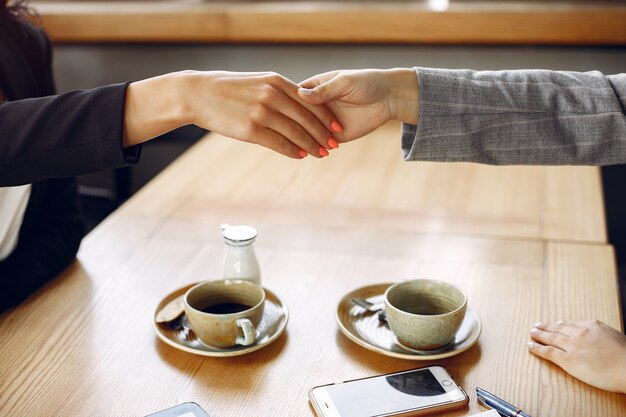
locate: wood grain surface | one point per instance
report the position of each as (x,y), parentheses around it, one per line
(366,183)
(84,345)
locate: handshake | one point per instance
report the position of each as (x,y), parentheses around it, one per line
(296,120)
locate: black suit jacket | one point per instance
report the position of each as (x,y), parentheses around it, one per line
(46,139)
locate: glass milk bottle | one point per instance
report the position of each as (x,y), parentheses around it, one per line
(240,261)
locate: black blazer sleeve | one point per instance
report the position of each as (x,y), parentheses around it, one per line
(43,135)
(66,135)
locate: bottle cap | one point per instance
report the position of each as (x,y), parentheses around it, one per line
(238,233)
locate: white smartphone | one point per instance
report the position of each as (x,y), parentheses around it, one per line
(182,410)
(409,393)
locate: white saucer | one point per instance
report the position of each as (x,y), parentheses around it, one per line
(178,333)
(366,329)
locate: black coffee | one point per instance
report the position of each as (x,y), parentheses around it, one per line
(225,308)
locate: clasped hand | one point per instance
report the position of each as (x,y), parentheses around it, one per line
(264,108)
(268,109)
(310,118)
(329,108)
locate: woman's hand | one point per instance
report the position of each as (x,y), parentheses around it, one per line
(363,100)
(588,350)
(261,108)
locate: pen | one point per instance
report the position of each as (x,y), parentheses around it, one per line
(503,408)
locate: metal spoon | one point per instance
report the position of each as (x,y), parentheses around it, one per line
(362,302)
(374,308)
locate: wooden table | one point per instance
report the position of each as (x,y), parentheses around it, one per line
(517,239)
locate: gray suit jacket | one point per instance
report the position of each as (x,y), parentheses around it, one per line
(530,117)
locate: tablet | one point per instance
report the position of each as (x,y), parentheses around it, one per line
(182,410)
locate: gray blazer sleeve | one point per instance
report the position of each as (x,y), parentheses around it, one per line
(529,117)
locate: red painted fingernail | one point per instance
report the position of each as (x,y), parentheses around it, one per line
(336,127)
(323,152)
(303,153)
(332,142)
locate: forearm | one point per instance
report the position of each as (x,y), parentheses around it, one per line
(156,106)
(404,95)
(85,131)
(518,117)
(261,108)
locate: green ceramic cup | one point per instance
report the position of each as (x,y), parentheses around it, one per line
(424,313)
(225,313)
